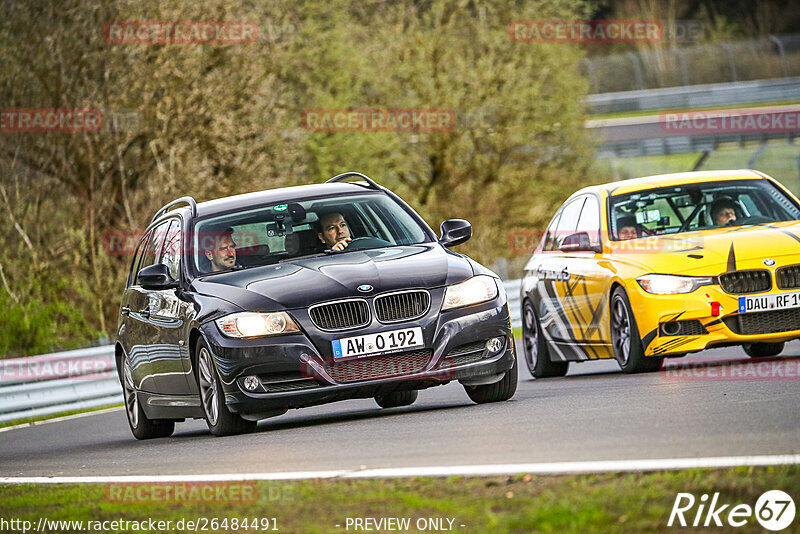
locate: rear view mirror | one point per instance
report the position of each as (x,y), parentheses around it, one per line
(455,232)
(156,277)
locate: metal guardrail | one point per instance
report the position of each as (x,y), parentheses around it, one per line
(49,384)
(696,96)
(81,379)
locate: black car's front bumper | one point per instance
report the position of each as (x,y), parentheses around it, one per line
(295,371)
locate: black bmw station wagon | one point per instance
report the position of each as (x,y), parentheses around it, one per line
(240,308)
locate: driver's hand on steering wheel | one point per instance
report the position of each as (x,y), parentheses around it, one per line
(341,245)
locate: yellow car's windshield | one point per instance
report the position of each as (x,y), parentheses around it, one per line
(698,206)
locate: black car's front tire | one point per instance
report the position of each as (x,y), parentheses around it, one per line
(625,339)
(763,350)
(397,399)
(141,426)
(500,391)
(537,355)
(221,421)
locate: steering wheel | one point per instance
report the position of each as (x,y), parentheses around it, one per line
(754,219)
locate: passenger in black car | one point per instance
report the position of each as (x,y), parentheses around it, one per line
(220,250)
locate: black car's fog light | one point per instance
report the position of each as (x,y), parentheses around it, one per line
(251,383)
(494,345)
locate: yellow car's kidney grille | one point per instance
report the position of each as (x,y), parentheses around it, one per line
(743,282)
(788,277)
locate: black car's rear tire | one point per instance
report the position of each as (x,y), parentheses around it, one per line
(625,339)
(500,391)
(537,354)
(141,426)
(221,421)
(763,350)
(397,398)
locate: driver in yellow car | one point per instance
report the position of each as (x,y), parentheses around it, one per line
(333,231)
(723,211)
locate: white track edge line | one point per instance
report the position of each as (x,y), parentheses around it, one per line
(553,468)
(62,418)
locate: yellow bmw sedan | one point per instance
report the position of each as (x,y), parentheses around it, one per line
(657,267)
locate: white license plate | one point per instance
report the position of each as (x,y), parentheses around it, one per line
(380,343)
(776,301)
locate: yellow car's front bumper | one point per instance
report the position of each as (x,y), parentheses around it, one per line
(656,316)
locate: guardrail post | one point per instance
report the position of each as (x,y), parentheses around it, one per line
(682,62)
(731,61)
(637,69)
(781,52)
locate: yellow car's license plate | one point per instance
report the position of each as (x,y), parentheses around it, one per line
(776,301)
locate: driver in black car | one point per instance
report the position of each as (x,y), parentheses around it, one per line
(723,211)
(333,231)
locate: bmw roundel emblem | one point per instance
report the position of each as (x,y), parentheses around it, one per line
(364,288)
(769,262)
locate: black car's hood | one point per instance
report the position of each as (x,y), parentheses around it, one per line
(305,281)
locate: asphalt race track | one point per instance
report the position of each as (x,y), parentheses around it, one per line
(594,413)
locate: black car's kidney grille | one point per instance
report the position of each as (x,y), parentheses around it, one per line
(376,367)
(742,282)
(769,322)
(402,306)
(788,277)
(340,315)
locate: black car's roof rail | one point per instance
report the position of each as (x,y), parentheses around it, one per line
(372,184)
(182,200)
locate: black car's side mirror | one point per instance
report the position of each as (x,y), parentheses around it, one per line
(578,242)
(156,277)
(455,232)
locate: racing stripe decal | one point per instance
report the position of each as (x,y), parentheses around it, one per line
(731,259)
(646,340)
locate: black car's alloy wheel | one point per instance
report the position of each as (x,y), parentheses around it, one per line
(141,426)
(221,421)
(537,354)
(625,339)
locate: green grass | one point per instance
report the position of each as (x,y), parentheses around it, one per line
(613,502)
(28,420)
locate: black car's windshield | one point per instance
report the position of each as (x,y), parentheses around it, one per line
(698,206)
(273,233)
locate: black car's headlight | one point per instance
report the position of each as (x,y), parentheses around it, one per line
(478,289)
(251,324)
(669,284)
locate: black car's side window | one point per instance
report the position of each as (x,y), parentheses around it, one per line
(136,259)
(154,249)
(171,256)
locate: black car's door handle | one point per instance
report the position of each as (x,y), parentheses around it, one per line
(145,312)
(126,310)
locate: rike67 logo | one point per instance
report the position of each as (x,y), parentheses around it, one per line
(774,510)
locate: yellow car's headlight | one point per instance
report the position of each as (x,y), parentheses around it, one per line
(670,284)
(481,288)
(250,324)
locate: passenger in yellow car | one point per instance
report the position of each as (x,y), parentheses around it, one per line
(723,211)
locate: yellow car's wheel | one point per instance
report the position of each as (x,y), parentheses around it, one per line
(537,355)
(763,350)
(625,338)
